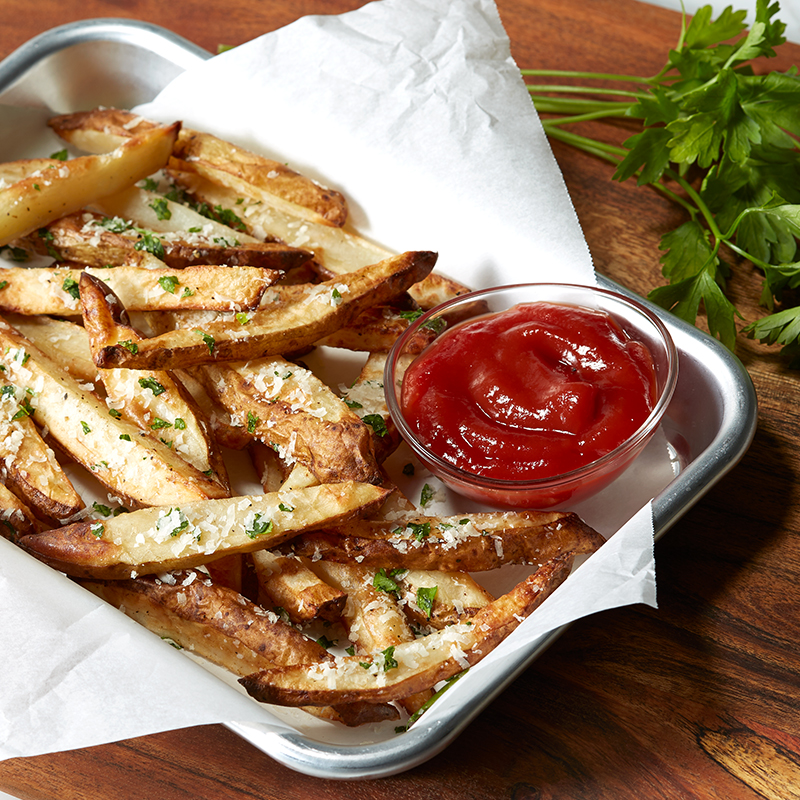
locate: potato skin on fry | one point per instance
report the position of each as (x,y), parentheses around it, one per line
(420,664)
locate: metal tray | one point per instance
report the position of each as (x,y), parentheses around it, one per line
(709,424)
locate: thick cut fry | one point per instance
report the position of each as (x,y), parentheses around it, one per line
(469,544)
(16,519)
(160,539)
(437,599)
(63,341)
(35,201)
(209,620)
(29,467)
(131,464)
(252,175)
(285,406)
(257,178)
(413,666)
(97,241)
(372,616)
(55,290)
(218,624)
(291,585)
(285,329)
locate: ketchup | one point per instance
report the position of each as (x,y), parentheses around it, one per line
(529,393)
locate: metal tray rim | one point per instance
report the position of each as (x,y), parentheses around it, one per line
(727,447)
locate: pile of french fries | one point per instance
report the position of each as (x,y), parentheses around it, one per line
(159,293)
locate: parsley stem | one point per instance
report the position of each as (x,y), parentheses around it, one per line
(589,115)
(585,90)
(699,202)
(599,76)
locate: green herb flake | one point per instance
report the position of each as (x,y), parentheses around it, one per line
(153,385)
(85,427)
(149,242)
(389,661)
(208,340)
(104,511)
(126,437)
(377,423)
(129,345)
(169,283)
(97,529)
(252,422)
(60,155)
(426,495)
(179,424)
(285,508)
(425,597)
(161,207)
(259,527)
(157,424)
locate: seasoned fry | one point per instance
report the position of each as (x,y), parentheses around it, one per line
(412,666)
(371,615)
(194,613)
(325,307)
(98,241)
(472,543)
(438,599)
(16,519)
(291,585)
(132,465)
(36,200)
(287,407)
(29,467)
(163,538)
(251,175)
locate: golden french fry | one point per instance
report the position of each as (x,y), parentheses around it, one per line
(163,538)
(130,464)
(437,599)
(410,667)
(286,406)
(36,200)
(16,519)
(471,543)
(291,585)
(289,328)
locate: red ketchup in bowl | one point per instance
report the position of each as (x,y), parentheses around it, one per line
(529,393)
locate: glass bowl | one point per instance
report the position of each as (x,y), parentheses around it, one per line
(635,320)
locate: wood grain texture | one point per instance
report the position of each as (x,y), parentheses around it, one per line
(698,699)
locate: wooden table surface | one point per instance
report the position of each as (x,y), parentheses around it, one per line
(698,699)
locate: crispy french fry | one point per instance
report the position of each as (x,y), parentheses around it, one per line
(290,584)
(438,599)
(287,407)
(36,200)
(98,241)
(412,666)
(372,617)
(132,465)
(16,519)
(55,290)
(471,543)
(163,538)
(249,174)
(29,467)
(281,330)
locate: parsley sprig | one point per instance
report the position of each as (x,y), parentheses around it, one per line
(721,142)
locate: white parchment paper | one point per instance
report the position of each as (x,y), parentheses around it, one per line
(416,111)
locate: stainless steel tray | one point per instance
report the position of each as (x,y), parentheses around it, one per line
(709,424)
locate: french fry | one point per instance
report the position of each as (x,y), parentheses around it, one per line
(163,538)
(36,200)
(472,543)
(291,585)
(287,407)
(29,467)
(95,240)
(325,307)
(194,613)
(372,617)
(16,519)
(132,465)
(252,175)
(411,666)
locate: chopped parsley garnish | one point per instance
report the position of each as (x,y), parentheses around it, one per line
(435,324)
(208,339)
(388,659)
(325,642)
(426,495)
(113,412)
(150,184)
(151,243)
(187,292)
(47,237)
(252,422)
(377,423)
(159,423)
(126,437)
(153,385)
(115,224)
(352,404)
(97,529)
(169,283)
(85,426)
(161,207)
(425,597)
(284,507)
(129,345)
(420,530)
(173,522)
(70,286)
(25,410)
(387,583)
(242,318)
(259,527)
(180,424)
(351,651)
(411,316)
(101,509)
(60,155)
(8,391)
